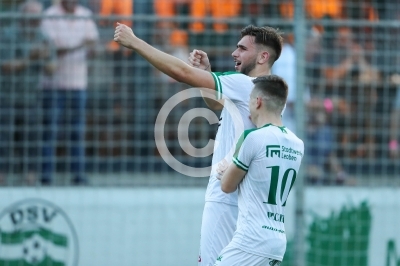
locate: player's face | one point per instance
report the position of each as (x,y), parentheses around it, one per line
(69,5)
(245,55)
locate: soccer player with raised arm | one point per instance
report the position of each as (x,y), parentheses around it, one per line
(264,169)
(257,50)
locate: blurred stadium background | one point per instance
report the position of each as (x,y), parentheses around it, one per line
(341,60)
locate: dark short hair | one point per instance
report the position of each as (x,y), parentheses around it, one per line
(266,36)
(273,87)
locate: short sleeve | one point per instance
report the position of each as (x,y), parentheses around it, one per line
(232,85)
(245,152)
(91,30)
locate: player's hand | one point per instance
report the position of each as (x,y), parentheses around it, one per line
(222,166)
(199,59)
(124,36)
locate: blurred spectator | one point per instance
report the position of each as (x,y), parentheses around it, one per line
(176,46)
(64,94)
(341,63)
(362,10)
(167,9)
(314,9)
(324,165)
(9,5)
(394,148)
(358,136)
(143,99)
(340,69)
(259,8)
(121,57)
(172,35)
(219,9)
(118,8)
(285,67)
(391,66)
(320,140)
(198,10)
(25,55)
(317,9)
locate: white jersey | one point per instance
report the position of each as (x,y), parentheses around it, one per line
(235,88)
(271,155)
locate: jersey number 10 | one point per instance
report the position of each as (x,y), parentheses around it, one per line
(282,187)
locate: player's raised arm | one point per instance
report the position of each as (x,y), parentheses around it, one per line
(199,59)
(170,65)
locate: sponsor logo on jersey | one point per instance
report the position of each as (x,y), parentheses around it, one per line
(282,152)
(273,150)
(274,263)
(276,216)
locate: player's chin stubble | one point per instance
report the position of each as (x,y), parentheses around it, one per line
(247,69)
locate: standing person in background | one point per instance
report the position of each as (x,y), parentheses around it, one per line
(285,67)
(25,55)
(394,127)
(64,93)
(264,169)
(117,8)
(256,52)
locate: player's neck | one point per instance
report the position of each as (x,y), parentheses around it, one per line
(264,119)
(260,71)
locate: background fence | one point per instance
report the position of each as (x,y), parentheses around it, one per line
(345,104)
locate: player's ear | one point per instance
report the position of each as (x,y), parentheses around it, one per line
(263,57)
(258,102)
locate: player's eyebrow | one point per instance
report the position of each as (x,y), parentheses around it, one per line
(241,47)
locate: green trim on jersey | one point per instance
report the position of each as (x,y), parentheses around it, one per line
(241,140)
(218,85)
(239,143)
(282,128)
(240,164)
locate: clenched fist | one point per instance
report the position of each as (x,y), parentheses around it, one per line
(199,59)
(125,36)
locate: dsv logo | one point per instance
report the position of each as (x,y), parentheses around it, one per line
(183,131)
(37,232)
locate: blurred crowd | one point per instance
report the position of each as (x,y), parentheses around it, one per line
(73,101)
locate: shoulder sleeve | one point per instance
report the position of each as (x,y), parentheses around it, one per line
(47,27)
(92,32)
(232,85)
(245,151)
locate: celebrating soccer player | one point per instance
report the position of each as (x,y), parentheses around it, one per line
(256,52)
(265,165)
